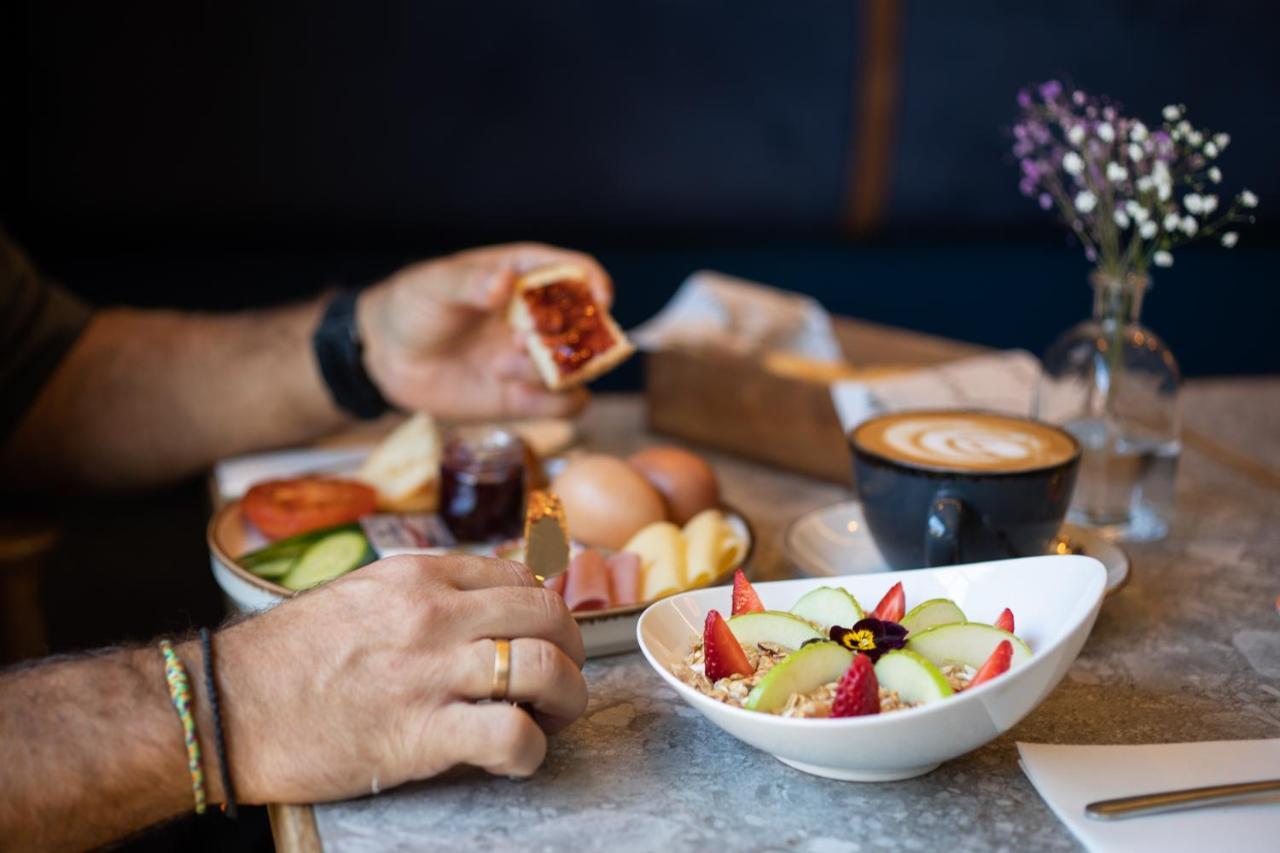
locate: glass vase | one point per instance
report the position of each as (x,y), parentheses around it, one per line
(1114,384)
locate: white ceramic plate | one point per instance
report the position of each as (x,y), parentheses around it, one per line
(604,632)
(834,540)
(1055,601)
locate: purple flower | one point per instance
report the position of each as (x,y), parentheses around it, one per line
(873,637)
(1050,90)
(1024,99)
(1046,201)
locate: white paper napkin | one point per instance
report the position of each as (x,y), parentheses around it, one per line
(713,309)
(999,382)
(1070,777)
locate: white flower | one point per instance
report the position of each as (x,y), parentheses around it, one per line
(1222,140)
(1136,211)
(1215,174)
(1229,239)
(1076,134)
(1194,138)
(1172,112)
(1148,229)
(1139,132)
(1248,199)
(1106,132)
(1162,259)
(1145,183)
(1072,163)
(1209,203)
(1086,201)
(1210,150)
(1171,222)
(1135,152)
(1163,191)
(1116,173)
(1193,203)
(1121,218)
(1183,127)
(1189,226)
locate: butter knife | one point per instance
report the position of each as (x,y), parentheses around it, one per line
(1170,801)
(546,540)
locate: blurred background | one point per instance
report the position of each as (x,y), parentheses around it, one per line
(226,155)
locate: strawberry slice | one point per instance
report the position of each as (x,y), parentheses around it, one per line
(858,692)
(1005,620)
(745,599)
(997,664)
(722,653)
(892,606)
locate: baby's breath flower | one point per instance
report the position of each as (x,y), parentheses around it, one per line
(1072,163)
(1144,184)
(1248,199)
(1171,222)
(1135,152)
(1085,201)
(1138,133)
(1189,226)
(1209,203)
(1148,229)
(1163,191)
(1121,218)
(1222,140)
(1116,173)
(1193,203)
(1183,127)
(1215,174)
(1076,134)
(1162,259)
(1106,132)
(1195,138)
(1230,238)
(1210,149)
(1172,112)
(1136,211)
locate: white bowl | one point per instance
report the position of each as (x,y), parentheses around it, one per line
(1055,600)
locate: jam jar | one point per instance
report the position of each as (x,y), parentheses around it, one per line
(482,484)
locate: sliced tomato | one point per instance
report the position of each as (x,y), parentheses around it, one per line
(281,508)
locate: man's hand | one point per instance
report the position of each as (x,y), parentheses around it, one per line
(373,680)
(437,340)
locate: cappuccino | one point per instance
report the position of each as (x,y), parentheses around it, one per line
(965,441)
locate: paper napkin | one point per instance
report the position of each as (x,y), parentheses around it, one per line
(1070,777)
(999,382)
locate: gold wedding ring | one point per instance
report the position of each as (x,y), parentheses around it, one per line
(501,670)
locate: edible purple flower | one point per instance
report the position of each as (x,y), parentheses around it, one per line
(873,637)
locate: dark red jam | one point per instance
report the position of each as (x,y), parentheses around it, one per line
(482,484)
(569,323)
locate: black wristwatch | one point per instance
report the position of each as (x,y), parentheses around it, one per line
(340,353)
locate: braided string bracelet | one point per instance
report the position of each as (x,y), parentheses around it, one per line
(175,675)
(211,688)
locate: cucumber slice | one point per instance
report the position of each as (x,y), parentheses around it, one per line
(273,569)
(809,668)
(827,606)
(935,611)
(914,678)
(329,558)
(292,547)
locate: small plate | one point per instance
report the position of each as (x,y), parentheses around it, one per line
(834,541)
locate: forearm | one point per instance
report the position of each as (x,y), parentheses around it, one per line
(91,749)
(146,397)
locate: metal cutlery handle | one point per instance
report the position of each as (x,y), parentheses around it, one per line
(1169,801)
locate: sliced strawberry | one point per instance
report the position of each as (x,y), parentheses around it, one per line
(1005,620)
(745,599)
(721,651)
(858,692)
(892,606)
(997,664)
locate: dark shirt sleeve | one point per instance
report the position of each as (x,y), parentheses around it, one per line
(39,321)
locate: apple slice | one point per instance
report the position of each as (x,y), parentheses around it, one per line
(935,611)
(773,626)
(968,643)
(915,679)
(807,669)
(827,606)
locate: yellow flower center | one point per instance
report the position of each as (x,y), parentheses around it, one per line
(862,640)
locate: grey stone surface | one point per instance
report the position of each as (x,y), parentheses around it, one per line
(1190,650)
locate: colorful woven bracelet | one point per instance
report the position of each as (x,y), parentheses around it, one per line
(175,675)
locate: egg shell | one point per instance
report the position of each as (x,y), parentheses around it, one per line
(605,500)
(686,482)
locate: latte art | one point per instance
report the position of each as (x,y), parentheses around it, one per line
(966,441)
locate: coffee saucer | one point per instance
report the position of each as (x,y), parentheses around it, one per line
(834,540)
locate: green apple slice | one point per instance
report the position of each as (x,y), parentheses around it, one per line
(827,606)
(773,626)
(916,680)
(935,611)
(969,643)
(809,668)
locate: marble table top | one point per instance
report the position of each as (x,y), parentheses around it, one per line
(1188,651)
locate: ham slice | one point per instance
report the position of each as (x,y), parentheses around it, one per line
(586,585)
(624,578)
